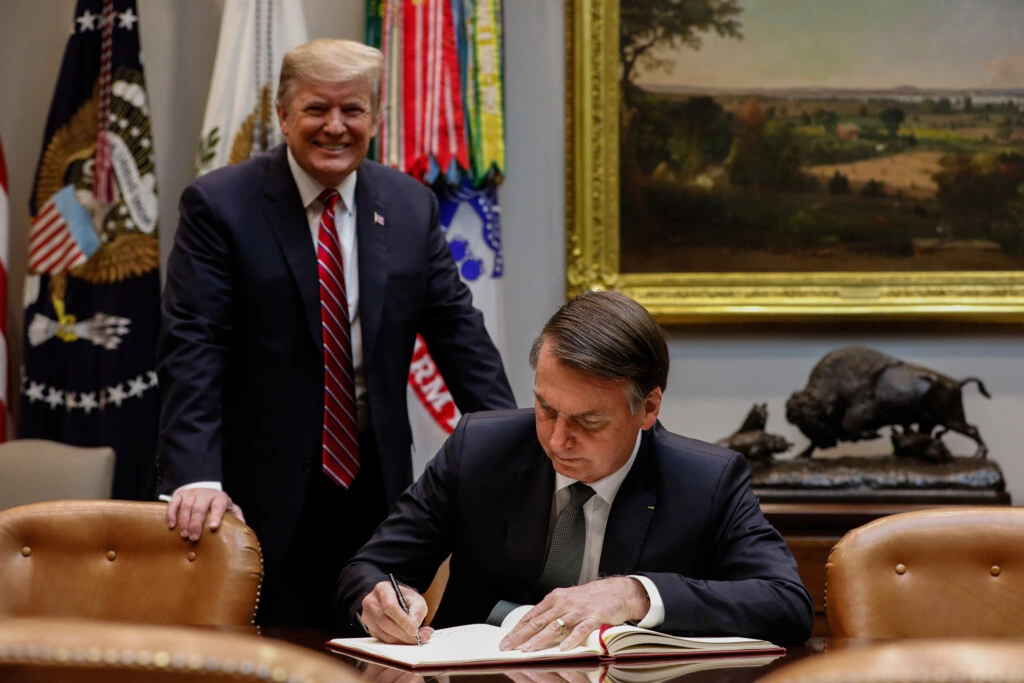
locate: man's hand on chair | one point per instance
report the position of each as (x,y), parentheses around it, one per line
(188,509)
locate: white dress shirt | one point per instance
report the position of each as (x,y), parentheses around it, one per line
(345,223)
(596,511)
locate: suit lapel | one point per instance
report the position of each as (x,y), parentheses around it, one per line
(526,540)
(286,217)
(631,513)
(372,246)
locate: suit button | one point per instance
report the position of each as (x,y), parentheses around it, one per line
(307,466)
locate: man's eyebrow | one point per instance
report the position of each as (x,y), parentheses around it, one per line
(589,415)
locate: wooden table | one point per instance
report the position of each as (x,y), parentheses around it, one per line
(691,670)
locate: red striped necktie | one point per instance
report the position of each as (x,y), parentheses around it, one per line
(340,440)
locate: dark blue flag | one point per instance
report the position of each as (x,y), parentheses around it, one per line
(93,288)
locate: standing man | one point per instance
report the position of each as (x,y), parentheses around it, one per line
(586,507)
(295,289)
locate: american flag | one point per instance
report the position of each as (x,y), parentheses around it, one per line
(52,247)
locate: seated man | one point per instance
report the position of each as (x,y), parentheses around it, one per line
(586,507)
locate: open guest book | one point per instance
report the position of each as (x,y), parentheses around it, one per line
(477,644)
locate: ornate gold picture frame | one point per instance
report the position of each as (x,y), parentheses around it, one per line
(593,201)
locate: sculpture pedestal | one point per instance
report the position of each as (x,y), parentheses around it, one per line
(885,478)
(813,503)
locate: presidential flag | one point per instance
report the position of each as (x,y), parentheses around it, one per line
(5,231)
(241,120)
(93,286)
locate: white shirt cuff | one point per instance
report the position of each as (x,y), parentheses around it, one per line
(656,614)
(197,485)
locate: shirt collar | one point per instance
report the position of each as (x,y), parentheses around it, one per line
(310,189)
(608,487)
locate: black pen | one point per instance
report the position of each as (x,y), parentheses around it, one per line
(403,603)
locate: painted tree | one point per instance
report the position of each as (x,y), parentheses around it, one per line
(892,118)
(652,27)
(649,30)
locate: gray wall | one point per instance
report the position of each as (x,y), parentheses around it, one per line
(716,374)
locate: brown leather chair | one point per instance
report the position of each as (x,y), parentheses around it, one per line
(952,572)
(117,560)
(72,651)
(435,591)
(34,470)
(925,661)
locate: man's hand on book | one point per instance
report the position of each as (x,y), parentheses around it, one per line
(581,609)
(384,618)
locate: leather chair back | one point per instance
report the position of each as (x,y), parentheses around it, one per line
(117,560)
(952,572)
(70,651)
(435,591)
(34,470)
(922,661)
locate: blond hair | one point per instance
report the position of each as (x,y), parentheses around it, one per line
(329,61)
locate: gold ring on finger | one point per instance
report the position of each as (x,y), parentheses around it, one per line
(561,626)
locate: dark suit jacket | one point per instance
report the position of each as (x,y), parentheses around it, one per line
(240,356)
(685,517)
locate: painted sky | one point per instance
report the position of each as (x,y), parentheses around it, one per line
(860,44)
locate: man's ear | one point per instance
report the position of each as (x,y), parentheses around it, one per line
(282,117)
(651,408)
(378,120)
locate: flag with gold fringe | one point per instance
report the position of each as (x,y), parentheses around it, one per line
(93,284)
(241,120)
(443,123)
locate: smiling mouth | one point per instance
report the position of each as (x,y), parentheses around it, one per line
(332,148)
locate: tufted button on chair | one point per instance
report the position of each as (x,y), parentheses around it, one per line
(70,651)
(117,560)
(917,661)
(951,572)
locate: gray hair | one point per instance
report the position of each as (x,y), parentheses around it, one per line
(329,61)
(608,335)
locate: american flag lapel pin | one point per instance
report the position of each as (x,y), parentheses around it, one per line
(378,219)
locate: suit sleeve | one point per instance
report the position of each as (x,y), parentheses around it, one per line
(757,591)
(455,333)
(195,331)
(415,538)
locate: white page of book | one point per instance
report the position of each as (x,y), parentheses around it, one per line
(459,643)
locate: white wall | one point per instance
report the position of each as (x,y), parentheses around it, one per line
(716,374)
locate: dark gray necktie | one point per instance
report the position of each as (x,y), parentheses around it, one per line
(565,552)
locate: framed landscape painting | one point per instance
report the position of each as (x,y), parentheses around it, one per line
(738,160)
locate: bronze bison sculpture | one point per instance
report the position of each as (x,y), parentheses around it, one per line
(852,392)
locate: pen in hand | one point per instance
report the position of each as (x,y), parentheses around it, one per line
(403,604)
